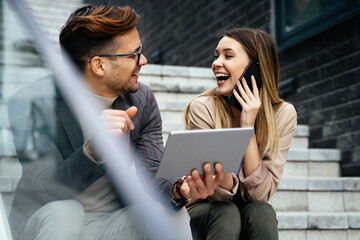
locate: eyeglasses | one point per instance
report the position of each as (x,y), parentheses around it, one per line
(124,55)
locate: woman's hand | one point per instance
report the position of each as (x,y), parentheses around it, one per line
(249,101)
(196,186)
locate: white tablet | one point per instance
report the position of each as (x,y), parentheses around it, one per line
(190,149)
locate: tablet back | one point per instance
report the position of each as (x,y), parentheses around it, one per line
(190,149)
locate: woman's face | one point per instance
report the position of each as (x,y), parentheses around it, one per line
(230,61)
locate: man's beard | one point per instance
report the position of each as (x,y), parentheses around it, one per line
(118,89)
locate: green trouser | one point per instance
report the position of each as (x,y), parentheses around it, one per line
(217,220)
(221,220)
(258,220)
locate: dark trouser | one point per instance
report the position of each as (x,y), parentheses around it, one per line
(258,220)
(217,220)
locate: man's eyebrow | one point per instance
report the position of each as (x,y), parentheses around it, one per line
(138,48)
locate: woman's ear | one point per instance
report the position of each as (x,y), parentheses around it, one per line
(97,66)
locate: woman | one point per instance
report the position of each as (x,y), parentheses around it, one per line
(274,121)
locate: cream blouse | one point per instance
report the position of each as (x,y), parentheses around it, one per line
(264,181)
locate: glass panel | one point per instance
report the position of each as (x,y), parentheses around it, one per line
(299,12)
(42,160)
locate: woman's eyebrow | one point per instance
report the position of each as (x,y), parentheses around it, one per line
(228,49)
(224,50)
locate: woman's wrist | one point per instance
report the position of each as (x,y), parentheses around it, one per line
(177,189)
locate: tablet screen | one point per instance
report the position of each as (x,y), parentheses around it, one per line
(190,149)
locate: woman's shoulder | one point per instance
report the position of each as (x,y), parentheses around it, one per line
(203,101)
(285,108)
(285,114)
(202,113)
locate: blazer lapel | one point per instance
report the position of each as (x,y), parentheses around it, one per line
(120,104)
(70,124)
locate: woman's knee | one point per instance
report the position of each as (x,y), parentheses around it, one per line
(226,216)
(226,210)
(259,221)
(226,221)
(259,211)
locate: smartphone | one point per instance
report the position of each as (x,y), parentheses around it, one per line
(253,68)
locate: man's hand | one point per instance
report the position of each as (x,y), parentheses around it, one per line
(197,186)
(119,121)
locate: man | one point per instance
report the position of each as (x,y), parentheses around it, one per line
(65,192)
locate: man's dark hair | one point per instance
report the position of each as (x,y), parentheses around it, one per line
(90,30)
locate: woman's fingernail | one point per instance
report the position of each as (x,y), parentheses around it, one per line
(207,167)
(218,167)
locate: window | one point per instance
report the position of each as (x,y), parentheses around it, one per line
(297,20)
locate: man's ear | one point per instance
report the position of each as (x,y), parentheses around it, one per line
(97,66)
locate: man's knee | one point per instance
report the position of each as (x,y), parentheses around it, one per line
(49,221)
(63,211)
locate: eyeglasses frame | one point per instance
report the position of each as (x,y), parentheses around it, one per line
(124,55)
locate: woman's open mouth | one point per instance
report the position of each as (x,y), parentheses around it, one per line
(221,78)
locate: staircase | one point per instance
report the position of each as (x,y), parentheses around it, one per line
(312,202)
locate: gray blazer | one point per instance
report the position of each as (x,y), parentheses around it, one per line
(49,144)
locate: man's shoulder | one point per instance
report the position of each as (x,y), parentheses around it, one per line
(42,88)
(34,92)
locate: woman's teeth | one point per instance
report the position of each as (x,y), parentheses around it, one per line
(222,77)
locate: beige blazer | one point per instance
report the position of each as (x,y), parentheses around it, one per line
(264,181)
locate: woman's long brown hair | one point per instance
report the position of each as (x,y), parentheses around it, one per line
(260,47)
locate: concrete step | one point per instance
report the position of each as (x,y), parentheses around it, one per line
(313,162)
(172,112)
(317,194)
(162,72)
(13,78)
(301,137)
(10,173)
(344,234)
(5,233)
(172,106)
(301,161)
(174,97)
(316,226)
(177,79)
(180,86)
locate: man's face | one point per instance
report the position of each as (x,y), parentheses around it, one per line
(122,76)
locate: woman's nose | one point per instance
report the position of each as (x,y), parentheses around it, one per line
(217,63)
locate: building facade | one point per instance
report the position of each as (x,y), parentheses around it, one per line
(319,45)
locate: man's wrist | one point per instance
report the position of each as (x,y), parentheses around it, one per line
(88,151)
